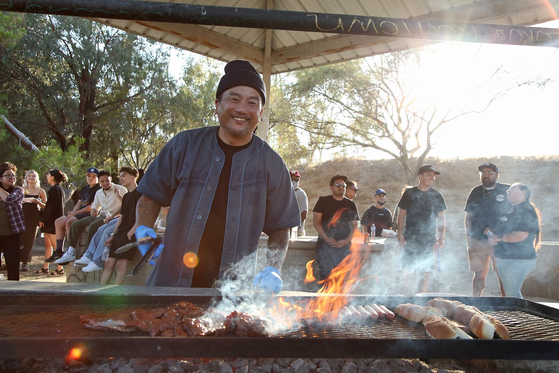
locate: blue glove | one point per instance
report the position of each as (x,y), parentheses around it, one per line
(143,231)
(269,280)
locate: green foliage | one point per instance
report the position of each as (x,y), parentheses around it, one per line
(11,29)
(71,161)
(284,137)
(70,79)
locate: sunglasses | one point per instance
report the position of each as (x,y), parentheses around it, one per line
(340,185)
(354,189)
(9,176)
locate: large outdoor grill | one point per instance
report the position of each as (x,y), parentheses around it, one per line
(47,326)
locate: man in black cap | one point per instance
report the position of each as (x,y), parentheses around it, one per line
(335,219)
(224,186)
(81,209)
(486,203)
(421,225)
(378,215)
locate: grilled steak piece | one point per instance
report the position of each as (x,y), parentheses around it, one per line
(182,319)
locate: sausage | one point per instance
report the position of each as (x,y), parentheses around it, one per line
(379,311)
(374,314)
(354,312)
(389,314)
(364,313)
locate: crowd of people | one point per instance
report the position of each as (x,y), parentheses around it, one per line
(224,186)
(503,229)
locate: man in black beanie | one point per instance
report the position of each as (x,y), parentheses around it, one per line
(224,186)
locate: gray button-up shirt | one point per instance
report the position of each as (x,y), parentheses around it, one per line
(184,176)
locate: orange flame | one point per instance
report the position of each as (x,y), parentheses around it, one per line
(336,217)
(310,276)
(332,296)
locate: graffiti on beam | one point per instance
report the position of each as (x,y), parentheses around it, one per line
(436,30)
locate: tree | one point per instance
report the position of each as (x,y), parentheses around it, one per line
(155,121)
(74,78)
(372,104)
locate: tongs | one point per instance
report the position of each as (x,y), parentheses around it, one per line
(155,242)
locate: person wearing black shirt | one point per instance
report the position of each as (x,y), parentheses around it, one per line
(335,219)
(421,225)
(516,238)
(486,203)
(124,229)
(378,215)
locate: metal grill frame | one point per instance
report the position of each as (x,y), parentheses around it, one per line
(113,344)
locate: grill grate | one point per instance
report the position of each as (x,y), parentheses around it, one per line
(52,321)
(50,327)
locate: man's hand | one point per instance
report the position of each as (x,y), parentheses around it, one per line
(269,280)
(401,240)
(141,232)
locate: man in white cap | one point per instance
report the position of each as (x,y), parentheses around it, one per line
(378,215)
(486,203)
(421,224)
(302,200)
(224,186)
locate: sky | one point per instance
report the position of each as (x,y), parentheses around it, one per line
(524,122)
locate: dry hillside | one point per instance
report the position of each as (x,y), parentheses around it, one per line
(457,178)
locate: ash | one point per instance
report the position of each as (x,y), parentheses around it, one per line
(271,365)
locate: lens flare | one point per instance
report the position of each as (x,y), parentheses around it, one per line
(190,260)
(75,353)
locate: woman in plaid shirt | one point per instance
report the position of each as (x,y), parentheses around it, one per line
(11,219)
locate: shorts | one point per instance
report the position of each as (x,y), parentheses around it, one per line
(480,253)
(418,257)
(120,240)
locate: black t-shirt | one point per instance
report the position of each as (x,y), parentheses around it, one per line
(340,227)
(523,218)
(421,208)
(211,243)
(381,217)
(87,194)
(128,211)
(486,206)
(128,219)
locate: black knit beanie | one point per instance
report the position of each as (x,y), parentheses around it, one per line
(239,72)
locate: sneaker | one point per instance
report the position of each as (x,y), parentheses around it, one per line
(91,267)
(84,261)
(66,258)
(57,255)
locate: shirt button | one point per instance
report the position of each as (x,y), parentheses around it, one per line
(217,159)
(209,188)
(199,217)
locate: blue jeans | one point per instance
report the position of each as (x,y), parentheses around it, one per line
(513,272)
(95,248)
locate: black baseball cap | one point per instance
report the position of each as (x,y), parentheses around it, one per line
(337,177)
(92,170)
(427,168)
(490,165)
